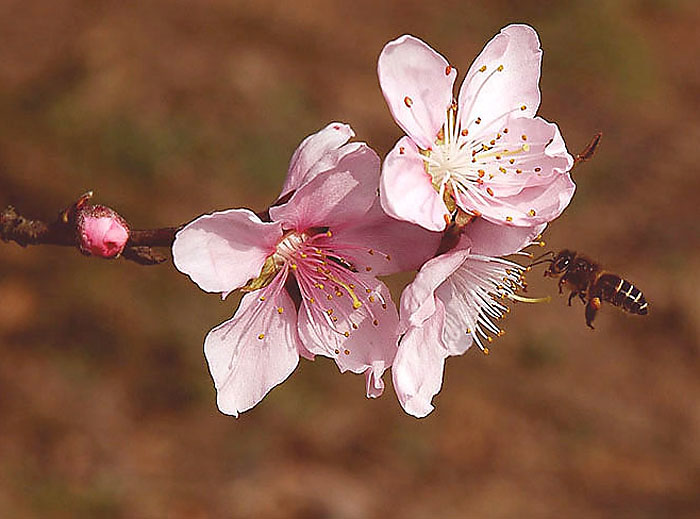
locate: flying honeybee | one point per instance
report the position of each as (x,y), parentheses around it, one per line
(591,284)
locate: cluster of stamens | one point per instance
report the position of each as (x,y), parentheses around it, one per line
(486,284)
(335,291)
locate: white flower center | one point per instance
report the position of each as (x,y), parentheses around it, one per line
(469,165)
(288,248)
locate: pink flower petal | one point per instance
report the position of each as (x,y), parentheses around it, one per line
(532,206)
(254,351)
(336,197)
(407,191)
(374,381)
(417,85)
(419,365)
(491,93)
(537,155)
(304,163)
(222,251)
(490,239)
(417,299)
(386,245)
(460,314)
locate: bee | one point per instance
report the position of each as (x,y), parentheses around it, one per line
(591,284)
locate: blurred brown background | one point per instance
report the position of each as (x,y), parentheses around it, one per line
(169,109)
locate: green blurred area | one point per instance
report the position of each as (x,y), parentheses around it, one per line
(170,109)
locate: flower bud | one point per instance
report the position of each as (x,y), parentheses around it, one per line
(101,231)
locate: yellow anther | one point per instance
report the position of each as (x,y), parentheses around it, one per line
(370,252)
(500,68)
(347,352)
(349,289)
(486,351)
(261,336)
(482,68)
(347,334)
(526,147)
(329,233)
(280,310)
(531,212)
(408,101)
(509,218)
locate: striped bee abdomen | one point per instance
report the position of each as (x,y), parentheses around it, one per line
(620,292)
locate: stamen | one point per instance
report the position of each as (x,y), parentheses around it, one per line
(516,297)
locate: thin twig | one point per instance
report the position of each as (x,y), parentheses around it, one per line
(587,152)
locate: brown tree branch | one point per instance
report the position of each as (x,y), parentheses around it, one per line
(16,228)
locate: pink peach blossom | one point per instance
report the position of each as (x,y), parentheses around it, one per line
(487,153)
(455,300)
(307,274)
(101,231)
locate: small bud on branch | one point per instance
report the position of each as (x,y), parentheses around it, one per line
(95,230)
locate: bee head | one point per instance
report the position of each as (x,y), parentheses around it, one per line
(560,263)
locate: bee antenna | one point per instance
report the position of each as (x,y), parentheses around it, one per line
(542,258)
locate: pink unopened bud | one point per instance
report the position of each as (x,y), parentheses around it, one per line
(101,231)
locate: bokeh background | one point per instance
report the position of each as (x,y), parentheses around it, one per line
(171,108)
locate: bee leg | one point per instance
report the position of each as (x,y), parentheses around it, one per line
(582,297)
(572,295)
(591,310)
(562,280)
